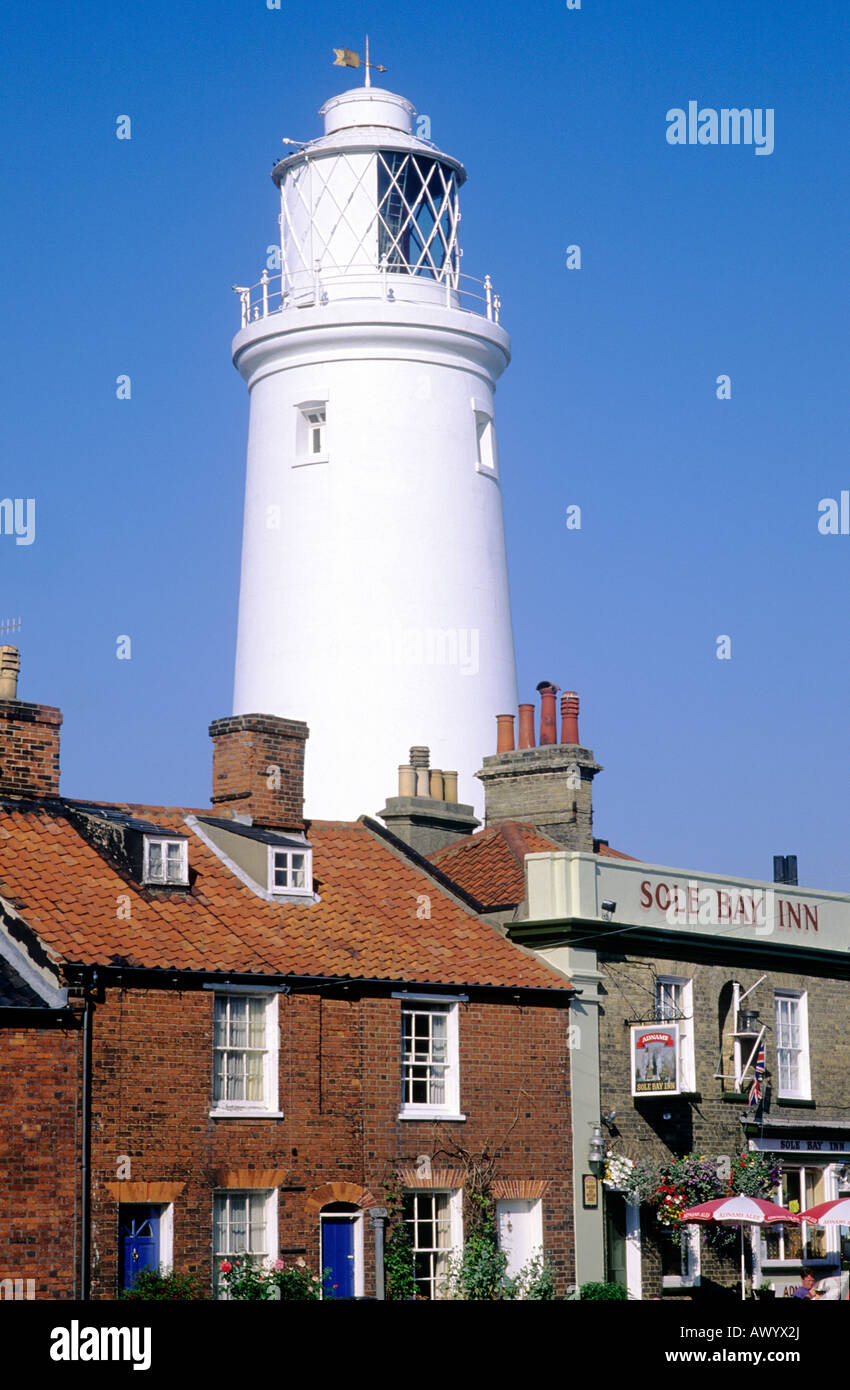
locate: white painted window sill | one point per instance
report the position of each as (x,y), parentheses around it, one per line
(246,1114)
(428,1115)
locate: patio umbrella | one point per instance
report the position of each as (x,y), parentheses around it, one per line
(834,1213)
(738,1210)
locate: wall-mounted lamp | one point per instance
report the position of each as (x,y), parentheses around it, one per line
(596,1151)
(608,909)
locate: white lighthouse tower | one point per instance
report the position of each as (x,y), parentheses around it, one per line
(374,595)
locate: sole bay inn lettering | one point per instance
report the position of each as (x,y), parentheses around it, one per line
(690,905)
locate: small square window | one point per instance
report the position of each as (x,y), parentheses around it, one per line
(290,871)
(166,861)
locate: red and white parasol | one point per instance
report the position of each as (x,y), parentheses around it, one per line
(742,1211)
(834,1213)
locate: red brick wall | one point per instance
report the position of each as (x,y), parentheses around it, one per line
(258,769)
(339,1075)
(39,1163)
(29,749)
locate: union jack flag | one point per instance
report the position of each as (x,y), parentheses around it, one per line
(757,1087)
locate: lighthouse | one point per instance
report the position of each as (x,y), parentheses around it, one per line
(374,596)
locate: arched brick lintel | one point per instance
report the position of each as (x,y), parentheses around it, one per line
(339,1192)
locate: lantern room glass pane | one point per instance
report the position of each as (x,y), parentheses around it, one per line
(417,199)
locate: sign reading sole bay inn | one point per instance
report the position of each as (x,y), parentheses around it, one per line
(583,886)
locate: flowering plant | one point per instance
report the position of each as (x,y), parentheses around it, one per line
(682,1183)
(245,1281)
(618,1170)
(756,1175)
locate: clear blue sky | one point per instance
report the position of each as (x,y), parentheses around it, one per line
(699,516)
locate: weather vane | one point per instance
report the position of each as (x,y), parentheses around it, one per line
(345,58)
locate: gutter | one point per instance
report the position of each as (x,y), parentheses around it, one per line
(626,938)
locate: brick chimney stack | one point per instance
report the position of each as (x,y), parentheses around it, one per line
(29,737)
(549,785)
(258,769)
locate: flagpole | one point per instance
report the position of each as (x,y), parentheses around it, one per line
(368,80)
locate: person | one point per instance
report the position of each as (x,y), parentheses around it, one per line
(806,1288)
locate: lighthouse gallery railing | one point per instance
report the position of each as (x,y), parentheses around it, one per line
(270,296)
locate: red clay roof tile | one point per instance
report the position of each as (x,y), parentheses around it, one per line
(85,909)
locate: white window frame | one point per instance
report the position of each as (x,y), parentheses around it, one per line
(455,1232)
(829,1234)
(449,1107)
(164,842)
(260,1258)
(312,416)
(486,448)
(682,1012)
(803,1090)
(289,892)
(268,1107)
(690,1253)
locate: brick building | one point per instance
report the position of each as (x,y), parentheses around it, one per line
(723,968)
(250,1025)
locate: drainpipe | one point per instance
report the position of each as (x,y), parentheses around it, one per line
(85,1155)
(378,1216)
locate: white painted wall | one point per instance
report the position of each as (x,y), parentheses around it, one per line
(396,539)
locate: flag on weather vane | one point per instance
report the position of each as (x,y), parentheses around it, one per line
(347,58)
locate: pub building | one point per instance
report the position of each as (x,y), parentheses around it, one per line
(682,979)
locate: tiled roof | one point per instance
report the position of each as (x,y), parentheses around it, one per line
(608,853)
(85,909)
(489,866)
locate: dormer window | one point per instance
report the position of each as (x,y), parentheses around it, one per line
(166,861)
(290,871)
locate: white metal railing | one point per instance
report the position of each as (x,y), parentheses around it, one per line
(269,296)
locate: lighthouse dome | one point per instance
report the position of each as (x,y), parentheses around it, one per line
(371,106)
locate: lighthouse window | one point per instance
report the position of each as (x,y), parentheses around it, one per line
(485,439)
(311,445)
(316,432)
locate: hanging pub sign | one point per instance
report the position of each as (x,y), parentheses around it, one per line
(655,1059)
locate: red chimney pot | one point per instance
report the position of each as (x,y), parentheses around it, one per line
(569,717)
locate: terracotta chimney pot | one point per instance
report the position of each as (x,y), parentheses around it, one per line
(548,721)
(526,726)
(569,717)
(504,733)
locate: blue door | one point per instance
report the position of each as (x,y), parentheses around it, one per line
(138,1242)
(338,1256)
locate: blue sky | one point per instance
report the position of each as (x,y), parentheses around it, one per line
(699,516)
